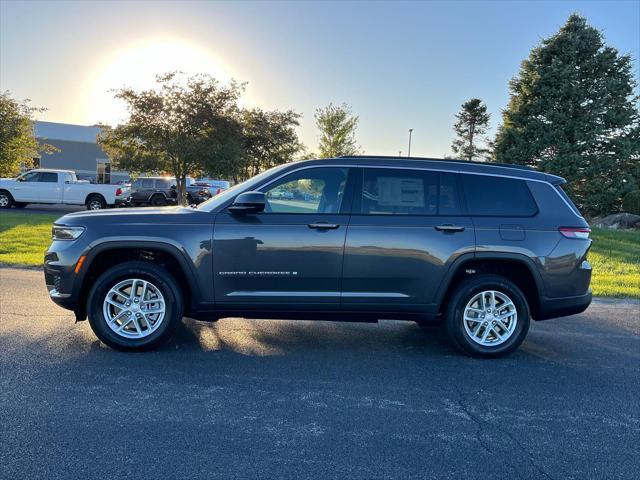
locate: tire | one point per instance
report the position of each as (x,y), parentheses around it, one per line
(6,200)
(158,201)
(96,202)
(20,204)
(499,341)
(142,336)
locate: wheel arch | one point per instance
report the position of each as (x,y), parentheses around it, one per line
(518,268)
(94,194)
(109,253)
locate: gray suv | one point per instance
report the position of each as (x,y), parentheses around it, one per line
(479,247)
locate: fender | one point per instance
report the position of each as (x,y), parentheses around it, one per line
(458,262)
(157,243)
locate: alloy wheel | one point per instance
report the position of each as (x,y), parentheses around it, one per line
(490,318)
(134,308)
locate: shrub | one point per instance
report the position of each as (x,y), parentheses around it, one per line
(631,202)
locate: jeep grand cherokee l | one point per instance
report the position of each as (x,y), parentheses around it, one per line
(482,247)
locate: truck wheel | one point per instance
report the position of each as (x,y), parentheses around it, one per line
(487,316)
(158,201)
(6,200)
(96,202)
(135,306)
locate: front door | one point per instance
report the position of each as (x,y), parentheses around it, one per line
(406,230)
(291,254)
(26,188)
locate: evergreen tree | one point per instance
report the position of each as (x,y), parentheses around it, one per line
(574,112)
(471,128)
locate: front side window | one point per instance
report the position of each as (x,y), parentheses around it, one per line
(490,196)
(163,184)
(312,190)
(48,177)
(30,177)
(408,192)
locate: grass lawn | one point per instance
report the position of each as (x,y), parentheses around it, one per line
(615,255)
(24,237)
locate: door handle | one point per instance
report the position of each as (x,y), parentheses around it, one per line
(324,226)
(449,228)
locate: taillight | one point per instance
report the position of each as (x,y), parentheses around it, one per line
(118,192)
(573,232)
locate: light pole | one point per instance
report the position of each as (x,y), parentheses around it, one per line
(409,150)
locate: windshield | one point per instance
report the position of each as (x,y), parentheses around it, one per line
(221,198)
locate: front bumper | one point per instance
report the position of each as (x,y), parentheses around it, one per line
(562,307)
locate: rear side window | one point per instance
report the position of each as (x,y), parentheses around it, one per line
(567,199)
(498,196)
(408,192)
(48,177)
(147,183)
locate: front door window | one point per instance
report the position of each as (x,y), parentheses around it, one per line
(310,191)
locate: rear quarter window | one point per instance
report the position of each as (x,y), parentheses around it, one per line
(491,196)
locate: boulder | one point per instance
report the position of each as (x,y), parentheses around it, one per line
(617,221)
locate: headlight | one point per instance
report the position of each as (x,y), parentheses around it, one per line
(59,232)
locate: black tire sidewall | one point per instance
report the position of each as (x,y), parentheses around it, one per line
(158,201)
(10,197)
(146,271)
(455,313)
(103,203)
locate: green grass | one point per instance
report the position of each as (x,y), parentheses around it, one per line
(24,237)
(615,255)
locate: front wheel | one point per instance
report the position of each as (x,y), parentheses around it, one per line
(135,306)
(487,316)
(6,200)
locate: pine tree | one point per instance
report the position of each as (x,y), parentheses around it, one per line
(574,112)
(471,128)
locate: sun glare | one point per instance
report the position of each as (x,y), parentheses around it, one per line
(137,67)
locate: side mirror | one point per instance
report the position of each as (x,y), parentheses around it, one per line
(248,202)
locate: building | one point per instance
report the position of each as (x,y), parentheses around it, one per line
(78,151)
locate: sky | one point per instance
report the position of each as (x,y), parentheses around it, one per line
(399,65)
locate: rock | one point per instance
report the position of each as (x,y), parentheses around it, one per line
(617,221)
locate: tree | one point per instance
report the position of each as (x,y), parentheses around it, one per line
(179,128)
(18,145)
(267,139)
(337,126)
(471,128)
(573,112)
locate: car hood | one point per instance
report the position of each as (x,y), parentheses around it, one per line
(159,215)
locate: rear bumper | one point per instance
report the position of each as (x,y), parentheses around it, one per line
(562,307)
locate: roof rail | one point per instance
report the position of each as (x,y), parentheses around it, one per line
(453,160)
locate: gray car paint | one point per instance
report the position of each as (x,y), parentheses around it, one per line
(373,264)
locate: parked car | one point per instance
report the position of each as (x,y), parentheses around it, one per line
(481,247)
(58,186)
(160,191)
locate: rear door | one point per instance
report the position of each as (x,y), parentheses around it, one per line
(407,229)
(49,188)
(290,255)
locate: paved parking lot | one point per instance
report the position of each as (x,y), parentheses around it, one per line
(285,399)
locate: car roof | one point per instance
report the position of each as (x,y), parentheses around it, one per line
(442,164)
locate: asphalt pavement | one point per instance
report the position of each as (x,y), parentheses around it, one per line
(298,399)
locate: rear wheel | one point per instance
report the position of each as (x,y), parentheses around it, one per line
(135,306)
(6,200)
(158,201)
(487,316)
(96,202)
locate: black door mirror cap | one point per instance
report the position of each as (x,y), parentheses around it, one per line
(248,202)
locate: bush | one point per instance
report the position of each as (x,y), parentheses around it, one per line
(631,202)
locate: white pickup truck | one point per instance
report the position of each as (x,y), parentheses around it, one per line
(59,186)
